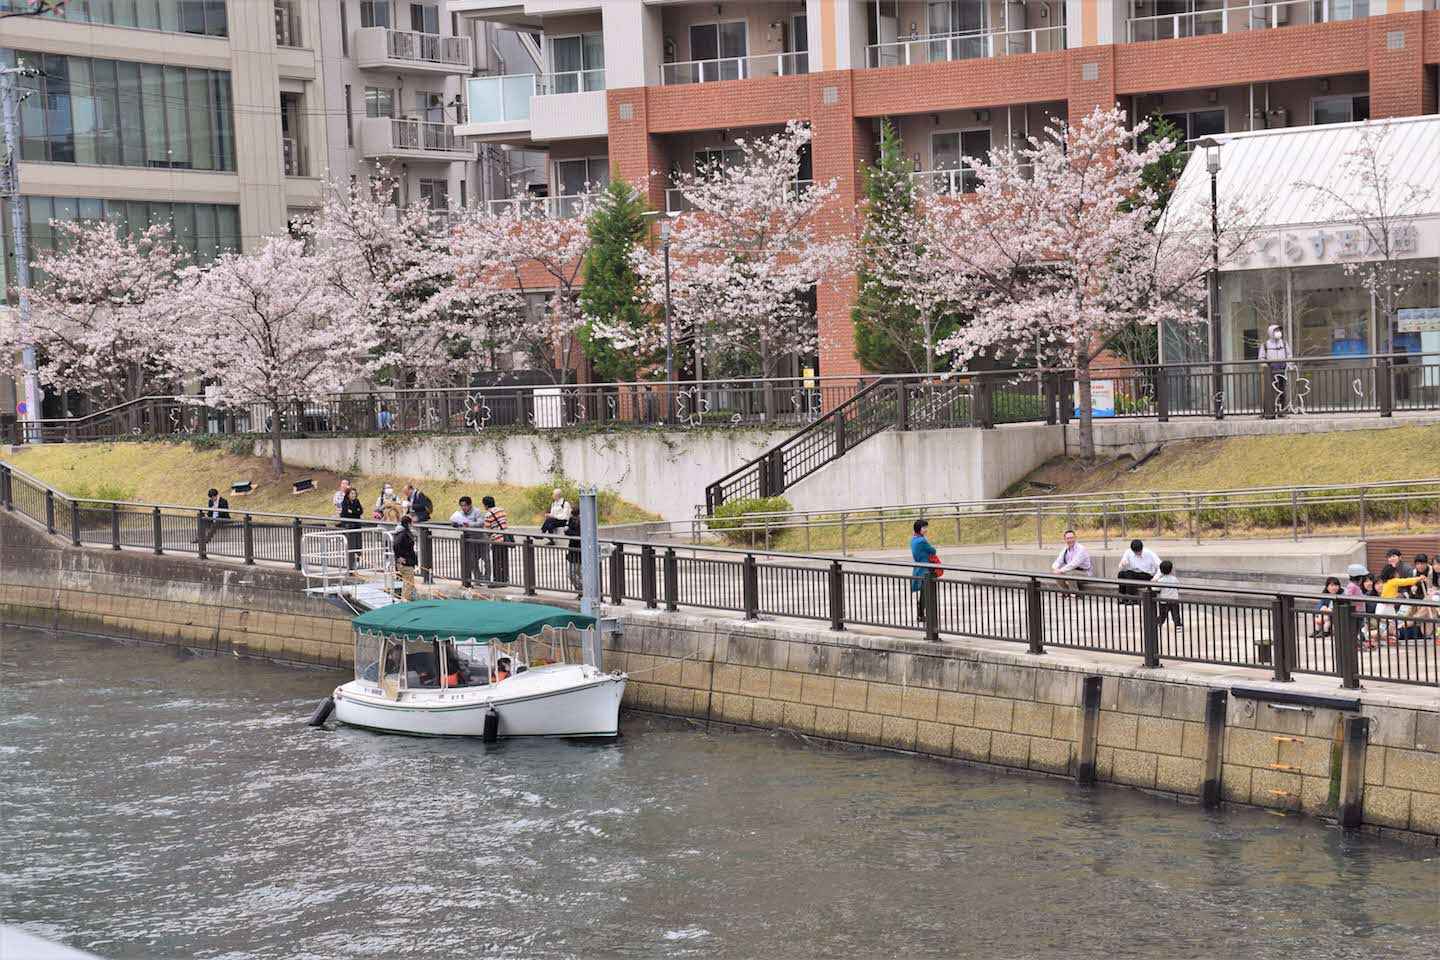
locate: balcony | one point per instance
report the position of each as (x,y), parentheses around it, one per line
(676,202)
(538,208)
(405,51)
(1259,16)
(382,138)
(535,108)
(293,157)
(735,68)
(964,46)
(956,181)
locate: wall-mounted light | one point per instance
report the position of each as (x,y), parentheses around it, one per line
(982,116)
(917,161)
(1324,84)
(1213,96)
(935,118)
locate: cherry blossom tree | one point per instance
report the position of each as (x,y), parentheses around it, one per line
(1372,192)
(269,330)
(1056,250)
(396,267)
(744,256)
(533,249)
(98,310)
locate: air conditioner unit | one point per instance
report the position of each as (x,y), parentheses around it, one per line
(1279,117)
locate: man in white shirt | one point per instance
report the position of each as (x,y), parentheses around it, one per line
(558,516)
(1073,559)
(1138,563)
(473,551)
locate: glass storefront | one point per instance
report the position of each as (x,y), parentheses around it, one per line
(205,17)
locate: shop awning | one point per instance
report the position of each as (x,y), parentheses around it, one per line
(1260,170)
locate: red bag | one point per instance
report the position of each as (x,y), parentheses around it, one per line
(935,559)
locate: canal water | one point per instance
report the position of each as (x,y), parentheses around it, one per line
(157,804)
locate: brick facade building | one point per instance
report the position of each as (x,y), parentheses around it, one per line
(645,88)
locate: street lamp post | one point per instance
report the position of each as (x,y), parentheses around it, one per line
(1212,165)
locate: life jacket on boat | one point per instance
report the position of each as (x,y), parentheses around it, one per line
(450,680)
(501,675)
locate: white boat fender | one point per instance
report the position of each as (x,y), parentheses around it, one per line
(491,730)
(322,713)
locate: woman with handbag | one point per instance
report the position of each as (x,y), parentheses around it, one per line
(921,552)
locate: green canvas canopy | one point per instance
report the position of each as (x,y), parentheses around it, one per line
(483,620)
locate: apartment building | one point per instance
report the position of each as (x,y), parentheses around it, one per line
(642,86)
(226,117)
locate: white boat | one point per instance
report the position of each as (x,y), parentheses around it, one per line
(466,668)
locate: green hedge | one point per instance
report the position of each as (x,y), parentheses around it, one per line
(732,514)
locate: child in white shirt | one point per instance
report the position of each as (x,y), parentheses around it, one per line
(1169,596)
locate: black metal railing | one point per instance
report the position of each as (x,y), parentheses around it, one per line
(1283,633)
(1378,384)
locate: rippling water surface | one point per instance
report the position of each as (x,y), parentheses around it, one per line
(161,805)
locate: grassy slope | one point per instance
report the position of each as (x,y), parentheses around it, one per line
(174,473)
(1401,453)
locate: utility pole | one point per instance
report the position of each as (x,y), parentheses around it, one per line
(591,587)
(10,191)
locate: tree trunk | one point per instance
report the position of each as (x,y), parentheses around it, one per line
(929,344)
(1087,421)
(277,460)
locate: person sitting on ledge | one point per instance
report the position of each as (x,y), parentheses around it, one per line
(1138,563)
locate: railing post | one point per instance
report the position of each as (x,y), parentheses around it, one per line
(835,583)
(984,400)
(74,522)
(467,551)
(750,587)
(1150,627)
(930,597)
(49,511)
(902,407)
(777,472)
(1034,617)
(158,532)
(1269,400)
(247,539)
(762,466)
(114,526)
(1282,630)
(647,576)
(297,541)
(1347,646)
(6,494)
(1162,394)
(1385,386)
(672,580)
(527,566)
(839,432)
(200,546)
(427,554)
(617,574)
(1050,388)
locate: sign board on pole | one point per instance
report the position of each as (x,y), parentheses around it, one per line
(1102,398)
(22,408)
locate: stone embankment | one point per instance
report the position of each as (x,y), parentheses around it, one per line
(1368,757)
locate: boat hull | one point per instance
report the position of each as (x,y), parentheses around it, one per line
(561,701)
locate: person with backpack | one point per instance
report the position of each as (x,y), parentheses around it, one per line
(406,561)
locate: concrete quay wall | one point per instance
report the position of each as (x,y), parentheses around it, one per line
(977,701)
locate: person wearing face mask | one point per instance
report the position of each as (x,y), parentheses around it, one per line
(1274,353)
(387,495)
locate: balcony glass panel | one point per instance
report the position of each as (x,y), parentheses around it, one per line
(500,99)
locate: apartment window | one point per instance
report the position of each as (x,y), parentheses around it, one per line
(574,176)
(374,13)
(577,63)
(204,17)
(948,151)
(118,113)
(717,158)
(434,194)
(379,102)
(727,42)
(1194,124)
(800,42)
(429,106)
(349,119)
(205,230)
(957,16)
(1339,109)
(344,30)
(464,201)
(1342,9)
(424,18)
